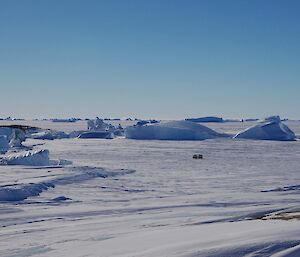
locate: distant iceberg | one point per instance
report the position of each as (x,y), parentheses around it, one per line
(97,134)
(11,137)
(49,135)
(269,129)
(100,129)
(173,130)
(206,119)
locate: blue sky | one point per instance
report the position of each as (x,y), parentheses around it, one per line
(149,59)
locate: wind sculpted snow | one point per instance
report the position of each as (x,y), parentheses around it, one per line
(172,205)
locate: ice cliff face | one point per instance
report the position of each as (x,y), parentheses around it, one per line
(173,130)
(269,129)
(10,137)
(4,146)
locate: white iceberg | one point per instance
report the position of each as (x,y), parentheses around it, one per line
(49,135)
(31,158)
(99,125)
(99,129)
(11,136)
(173,130)
(269,129)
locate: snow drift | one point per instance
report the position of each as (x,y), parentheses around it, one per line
(173,130)
(269,129)
(79,174)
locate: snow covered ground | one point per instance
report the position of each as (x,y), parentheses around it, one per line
(130,198)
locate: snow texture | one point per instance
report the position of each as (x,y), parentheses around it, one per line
(241,199)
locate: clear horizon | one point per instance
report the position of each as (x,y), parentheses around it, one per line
(149,59)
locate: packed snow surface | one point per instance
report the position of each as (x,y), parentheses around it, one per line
(172,130)
(270,129)
(241,199)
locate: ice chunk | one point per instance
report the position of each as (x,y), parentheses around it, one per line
(32,158)
(173,130)
(99,125)
(14,136)
(100,129)
(50,135)
(4,146)
(97,134)
(17,137)
(269,129)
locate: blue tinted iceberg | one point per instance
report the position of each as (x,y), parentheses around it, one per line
(173,130)
(4,146)
(269,129)
(31,158)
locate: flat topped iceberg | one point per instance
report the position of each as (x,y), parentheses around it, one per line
(269,129)
(173,130)
(206,119)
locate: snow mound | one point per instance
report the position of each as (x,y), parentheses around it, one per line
(31,158)
(173,130)
(23,192)
(269,129)
(79,174)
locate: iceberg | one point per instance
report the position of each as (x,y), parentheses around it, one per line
(49,135)
(12,135)
(99,125)
(29,158)
(4,146)
(271,128)
(99,129)
(173,130)
(97,134)
(206,119)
